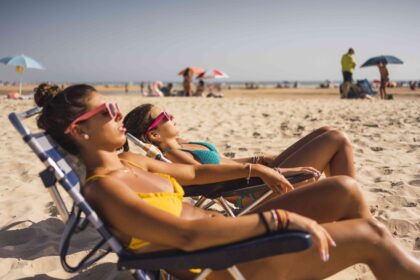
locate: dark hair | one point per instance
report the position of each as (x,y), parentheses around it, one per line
(351,50)
(137,121)
(60,108)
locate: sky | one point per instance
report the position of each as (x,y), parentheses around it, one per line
(112,41)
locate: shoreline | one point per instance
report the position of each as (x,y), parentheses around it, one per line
(234,92)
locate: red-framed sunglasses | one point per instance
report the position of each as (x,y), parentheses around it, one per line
(110,107)
(159,119)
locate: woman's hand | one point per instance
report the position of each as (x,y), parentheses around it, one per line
(297,170)
(322,239)
(272,178)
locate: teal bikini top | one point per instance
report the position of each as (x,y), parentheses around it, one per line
(209,156)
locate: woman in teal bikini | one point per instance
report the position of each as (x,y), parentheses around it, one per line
(325,149)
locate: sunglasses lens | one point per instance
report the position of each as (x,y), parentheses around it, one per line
(113,110)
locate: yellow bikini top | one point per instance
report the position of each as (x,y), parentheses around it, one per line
(170,202)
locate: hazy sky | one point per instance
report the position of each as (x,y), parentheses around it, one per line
(250,40)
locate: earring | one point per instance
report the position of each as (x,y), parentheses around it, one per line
(85,136)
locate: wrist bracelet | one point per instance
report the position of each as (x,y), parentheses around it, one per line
(279,219)
(264,221)
(275,218)
(249,173)
(283,217)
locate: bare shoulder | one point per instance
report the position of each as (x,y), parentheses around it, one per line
(106,188)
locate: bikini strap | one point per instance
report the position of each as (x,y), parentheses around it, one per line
(95,177)
(132,164)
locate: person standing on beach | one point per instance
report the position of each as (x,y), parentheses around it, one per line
(347,66)
(188,75)
(383,71)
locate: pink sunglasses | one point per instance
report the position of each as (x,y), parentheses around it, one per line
(159,119)
(110,107)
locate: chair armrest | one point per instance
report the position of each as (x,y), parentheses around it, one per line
(219,257)
(238,186)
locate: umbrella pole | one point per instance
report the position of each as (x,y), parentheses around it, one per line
(20,85)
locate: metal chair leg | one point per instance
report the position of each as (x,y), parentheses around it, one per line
(225,206)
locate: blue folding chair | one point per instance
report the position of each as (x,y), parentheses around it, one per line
(145,266)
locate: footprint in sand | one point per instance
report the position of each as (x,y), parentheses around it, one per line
(414,183)
(379,190)
(229,154)
(51,209)
(376,149)
(387,171)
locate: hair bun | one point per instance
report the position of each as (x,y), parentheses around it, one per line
(44,93)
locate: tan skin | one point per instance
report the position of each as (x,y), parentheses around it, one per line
(383,71)
(358,240)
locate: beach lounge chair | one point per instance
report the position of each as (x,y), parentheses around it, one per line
(145,266)
(217,192)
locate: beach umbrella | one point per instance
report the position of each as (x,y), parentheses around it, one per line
(385,59)
(21,62)
(212,74)
(195,70)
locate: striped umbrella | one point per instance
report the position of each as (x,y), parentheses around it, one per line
(213,74)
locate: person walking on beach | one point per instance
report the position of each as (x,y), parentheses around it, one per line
(347,66)
(383,71)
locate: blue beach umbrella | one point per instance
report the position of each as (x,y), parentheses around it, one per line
(385,59)
(21,62)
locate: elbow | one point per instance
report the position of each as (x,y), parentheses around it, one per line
(189,239)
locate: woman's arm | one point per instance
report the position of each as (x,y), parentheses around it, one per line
(178,156)
(135,218)
(193,174)
(211,173)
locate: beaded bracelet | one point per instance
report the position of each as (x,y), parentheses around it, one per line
(280,219)
(283,218)
(265,223)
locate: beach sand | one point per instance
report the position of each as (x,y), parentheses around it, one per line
(385,135)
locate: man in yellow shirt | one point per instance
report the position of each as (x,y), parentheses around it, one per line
(347,66)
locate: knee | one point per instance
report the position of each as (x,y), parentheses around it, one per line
(326,128)
(348,186)
(339,137)
(376,230)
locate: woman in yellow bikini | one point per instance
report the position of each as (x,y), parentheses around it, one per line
(146,210)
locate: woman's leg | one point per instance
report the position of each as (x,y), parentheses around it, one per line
(331,199)
(302,142)
(329,151)
(358,241)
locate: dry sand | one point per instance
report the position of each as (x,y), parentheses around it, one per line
(385,135)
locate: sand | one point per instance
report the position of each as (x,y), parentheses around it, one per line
(385,135)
